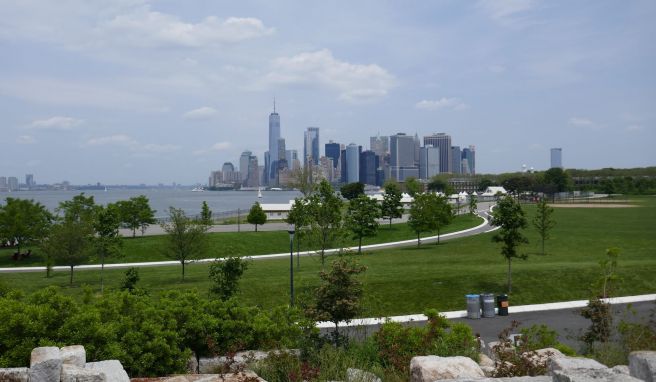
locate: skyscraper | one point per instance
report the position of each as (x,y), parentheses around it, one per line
(353,163)
(311,145)
(456,159)
(282,155)
(402,160)
(429,162)
(244,161)
(379,145)
(228,171)
(443,142)
(292,159)
(274,135)
(469,154)
(29,180)
(253,172)
(332,152)
(557,157)
(368,167)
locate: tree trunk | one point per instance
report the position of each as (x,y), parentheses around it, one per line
(390,222)
(509,277)
(255,227)
(418,240)
(438,236)
(298,251)
(102,268)
(360,246)
(134,232)
(183,268)
(542,246)
(71,280)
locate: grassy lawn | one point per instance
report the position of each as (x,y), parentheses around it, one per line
(408,280)
(148,248)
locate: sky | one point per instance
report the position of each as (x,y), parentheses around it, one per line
(138,91)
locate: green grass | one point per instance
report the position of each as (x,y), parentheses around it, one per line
(408,280)
(148,248)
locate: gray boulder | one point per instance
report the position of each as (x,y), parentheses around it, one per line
(72,373)
(17,374)
(214,364)
(431,368)
(357,375)
(591,375)
(73,355)
(508,379)
(112,369)
(45,364)
(571,363)
(484,360)
(621,369)
(642,364)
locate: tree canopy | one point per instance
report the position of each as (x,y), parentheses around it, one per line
(392,207)
(256,215)
(351,191)
(509,216)
(23,222)
(185,239)
(325,211)
(361,218)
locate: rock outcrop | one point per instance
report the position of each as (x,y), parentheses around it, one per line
(642,364)
(432,368)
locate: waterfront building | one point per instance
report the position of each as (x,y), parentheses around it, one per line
(311,146)
(456,159)
(271,162)
(469,154)
(3,183)
(368,166)
(443,142)
(292,159)
(429,162)
(402,157)
(557,157)
(29,180)
(228,170)
(254,172)
(333,151)
(352,163)
(282,154)
(12,183)
(244,161)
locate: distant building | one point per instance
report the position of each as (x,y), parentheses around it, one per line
(469,154)
(282,155)
(379,145)
(228,171)
(311,146)
(254,172)
(402,157)
(443,142)
(353,163)
(3,183)
(368,167)
(12,183)
(292,159)
(456,159)
(332,151)
(429,162)
(244,160)
(557,157)
(29,180)
(271,162)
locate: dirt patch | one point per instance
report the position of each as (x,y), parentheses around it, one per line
(592,205)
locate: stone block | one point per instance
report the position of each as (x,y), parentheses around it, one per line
(45,364)
(621,369)
(17,374)
(431,368)
(567,363)
(591,375)
(72,373)
(73,355)
(112,369)
(357,375)
(642,364)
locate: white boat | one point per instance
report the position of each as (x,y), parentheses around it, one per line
(198,189)
(259,193)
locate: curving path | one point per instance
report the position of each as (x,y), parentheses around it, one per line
(483,211)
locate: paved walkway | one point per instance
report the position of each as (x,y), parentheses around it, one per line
(481,228)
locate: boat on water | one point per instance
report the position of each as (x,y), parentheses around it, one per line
(275,189)
(259,193)
(197,189)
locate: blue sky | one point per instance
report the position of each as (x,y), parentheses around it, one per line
(133,91)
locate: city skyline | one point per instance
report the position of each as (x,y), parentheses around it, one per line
(151,92)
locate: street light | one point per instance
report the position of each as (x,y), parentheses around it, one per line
(291,231)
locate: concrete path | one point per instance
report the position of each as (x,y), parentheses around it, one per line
(481,228)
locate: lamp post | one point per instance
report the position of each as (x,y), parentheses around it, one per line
(291,231)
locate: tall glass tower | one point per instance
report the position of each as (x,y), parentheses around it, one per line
(274,135)
(311,146)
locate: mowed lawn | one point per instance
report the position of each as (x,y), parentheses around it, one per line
(409,280)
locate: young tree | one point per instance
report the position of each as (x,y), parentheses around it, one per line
(146,215)
(421,218)
(69,243)
(256,215)
(225,276)
(136,213)
(412,186)
(299,216)
(338,297)
(352,190)
(509,215)
(543,221)
(81,209)
(473,203)
(392,207)
(303,180)
(325,211)
(107,241)
(185,239)
(24,222)
(361,218)
(442,213)
(206,214)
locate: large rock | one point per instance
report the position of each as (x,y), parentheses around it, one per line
(73,355)
(357,375)
(112,369)
(571,363)
(72,373)
(642,364)
(239,377)
(45,364)
(18,374)
(484,360)
(621,369)
(431,368)
(591,375)
(216,364)
(508,379)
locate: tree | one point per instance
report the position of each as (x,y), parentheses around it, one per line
(299,216)
(558,179)
(107,241)
(303,180)
(206,214)
(441,212)
(24,222)
(420,219)
(69,243)
(436,184)
(325,211)
(412,186)
(351,191)
(473,203)
(338,297)
(185,239)
(225,275)
(256,215)
(392,207)
(361,218)
(136,213)
(81,209)
(543,221)
(509,216)
(485,183)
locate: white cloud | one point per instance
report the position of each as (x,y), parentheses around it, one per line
(143,26)
(578,121)
(219,146)
(354,82)
(25,140)
(56,123)
(117,140)
(156,148)
(442,103)
(200,113)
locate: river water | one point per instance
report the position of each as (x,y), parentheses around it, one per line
(162,199)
